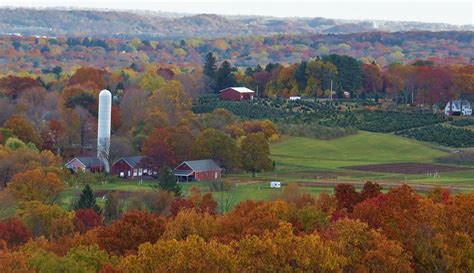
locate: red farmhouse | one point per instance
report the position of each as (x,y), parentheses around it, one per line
(197,170)
(128,167)
(236,93)
(86,164)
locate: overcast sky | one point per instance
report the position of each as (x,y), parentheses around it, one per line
(459,12)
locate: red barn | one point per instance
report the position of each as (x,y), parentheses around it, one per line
(128,167)
(197,170)
(236,93)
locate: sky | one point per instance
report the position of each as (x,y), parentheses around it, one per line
(458,13)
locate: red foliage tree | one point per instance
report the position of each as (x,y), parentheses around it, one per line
(14,86)
(370,190)
(133,229)
(88,75)
(86,219)
(179,204)
(347,196)
(13,232)
(208,204)
(158,151)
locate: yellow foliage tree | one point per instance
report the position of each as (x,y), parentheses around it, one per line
(36,185)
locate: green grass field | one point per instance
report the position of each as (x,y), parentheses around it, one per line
(317,165)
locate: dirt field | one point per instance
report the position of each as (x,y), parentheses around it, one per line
(407,168)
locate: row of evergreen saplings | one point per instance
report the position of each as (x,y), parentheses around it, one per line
(443,135)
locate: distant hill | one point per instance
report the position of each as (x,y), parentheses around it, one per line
(154,25)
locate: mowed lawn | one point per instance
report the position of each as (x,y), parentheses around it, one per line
(360,149)
(300,159)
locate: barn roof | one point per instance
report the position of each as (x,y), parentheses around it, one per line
(87,161)
(201,165)
(239,89)
(132,160)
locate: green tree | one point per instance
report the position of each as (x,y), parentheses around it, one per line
(255,153)
(86,200)
(224,76)
(167,181)
(218,146)
(210,66)
(111,208)
(320,74)
(349,71)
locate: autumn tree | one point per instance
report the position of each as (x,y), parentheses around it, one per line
(22,129)
(172,100)
(367,250)
(370,190)
(255,153)
(90,75)
(36,185)
(319,75)
(216,145)
(51,221)
(133,229)
(281,250)
(347,196)
(175,256)
(86,219)
(372,78)
(13,232)
(158,151)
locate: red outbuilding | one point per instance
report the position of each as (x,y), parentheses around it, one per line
(197,170)
(129,167)
(236,93)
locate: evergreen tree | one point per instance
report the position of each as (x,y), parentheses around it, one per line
(224,76)
(210,66)
(111,209)
(87,200)
(167,181)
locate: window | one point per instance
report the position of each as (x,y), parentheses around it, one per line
(215,175)
(134,172)
(129,173)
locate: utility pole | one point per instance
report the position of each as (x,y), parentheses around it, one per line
(331,89)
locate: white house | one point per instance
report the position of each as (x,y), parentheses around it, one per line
(295,98)
(459,108)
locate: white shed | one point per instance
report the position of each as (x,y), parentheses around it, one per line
(275,184)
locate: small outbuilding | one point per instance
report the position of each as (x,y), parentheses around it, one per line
(129,167)
(85,164)
(458,108)
(275,184)
(197,170)
(236,93)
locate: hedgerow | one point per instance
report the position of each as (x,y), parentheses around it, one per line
(444,135)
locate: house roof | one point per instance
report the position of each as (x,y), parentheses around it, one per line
(239,89)
(87,161)
(132,160)
(201,165)
(182,172)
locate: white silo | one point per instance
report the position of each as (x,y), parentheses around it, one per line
(103,128)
